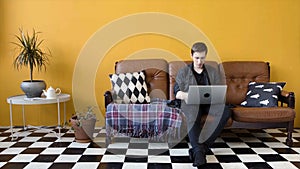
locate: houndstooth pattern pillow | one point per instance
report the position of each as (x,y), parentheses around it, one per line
(129,88)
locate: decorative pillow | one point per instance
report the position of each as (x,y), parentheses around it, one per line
(263,94)
(129,88)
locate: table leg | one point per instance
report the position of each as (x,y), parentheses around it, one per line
(11,121)
(23,112)
(64,114)
(58,118)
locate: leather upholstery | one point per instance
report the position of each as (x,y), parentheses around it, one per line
(239,74)
(254,114)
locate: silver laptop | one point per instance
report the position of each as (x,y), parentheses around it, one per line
(207,94)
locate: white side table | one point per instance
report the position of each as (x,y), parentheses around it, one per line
(23,100)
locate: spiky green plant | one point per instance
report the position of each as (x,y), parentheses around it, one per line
(29,52)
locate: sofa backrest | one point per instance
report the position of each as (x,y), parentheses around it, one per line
(156,74)
(160,75)
(239,74)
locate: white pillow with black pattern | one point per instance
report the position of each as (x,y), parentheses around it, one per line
(263,94)
(129,88)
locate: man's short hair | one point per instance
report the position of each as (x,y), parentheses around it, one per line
(199,47)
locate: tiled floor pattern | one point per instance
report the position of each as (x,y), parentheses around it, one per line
(234,149)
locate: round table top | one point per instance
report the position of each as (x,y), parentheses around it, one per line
(22,99)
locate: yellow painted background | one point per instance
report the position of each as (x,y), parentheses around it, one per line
(267,30)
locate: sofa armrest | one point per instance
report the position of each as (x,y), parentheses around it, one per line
(288,98)
(108,98)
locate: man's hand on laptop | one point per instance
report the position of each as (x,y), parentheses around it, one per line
(182,95)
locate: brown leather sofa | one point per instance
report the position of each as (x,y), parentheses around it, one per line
(160,77)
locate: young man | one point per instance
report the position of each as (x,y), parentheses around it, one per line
(199,73)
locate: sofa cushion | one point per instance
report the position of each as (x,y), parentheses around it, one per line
(263,94)
(258,114)
(129,88)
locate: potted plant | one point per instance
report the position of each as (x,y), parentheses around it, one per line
(31,55)
(83,124)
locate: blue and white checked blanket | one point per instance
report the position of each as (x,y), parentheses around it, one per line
(154,120)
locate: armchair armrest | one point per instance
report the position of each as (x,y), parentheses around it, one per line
(288,98)
(107,98)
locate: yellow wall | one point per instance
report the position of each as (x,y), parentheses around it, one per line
(267,30)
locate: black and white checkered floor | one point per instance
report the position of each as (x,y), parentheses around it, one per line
(234,149)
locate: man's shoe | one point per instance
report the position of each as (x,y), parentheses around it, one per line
(191,155)
(199,158)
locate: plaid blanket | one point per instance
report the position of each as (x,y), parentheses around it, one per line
(155,120)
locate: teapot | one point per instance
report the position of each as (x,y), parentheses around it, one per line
(52,93)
